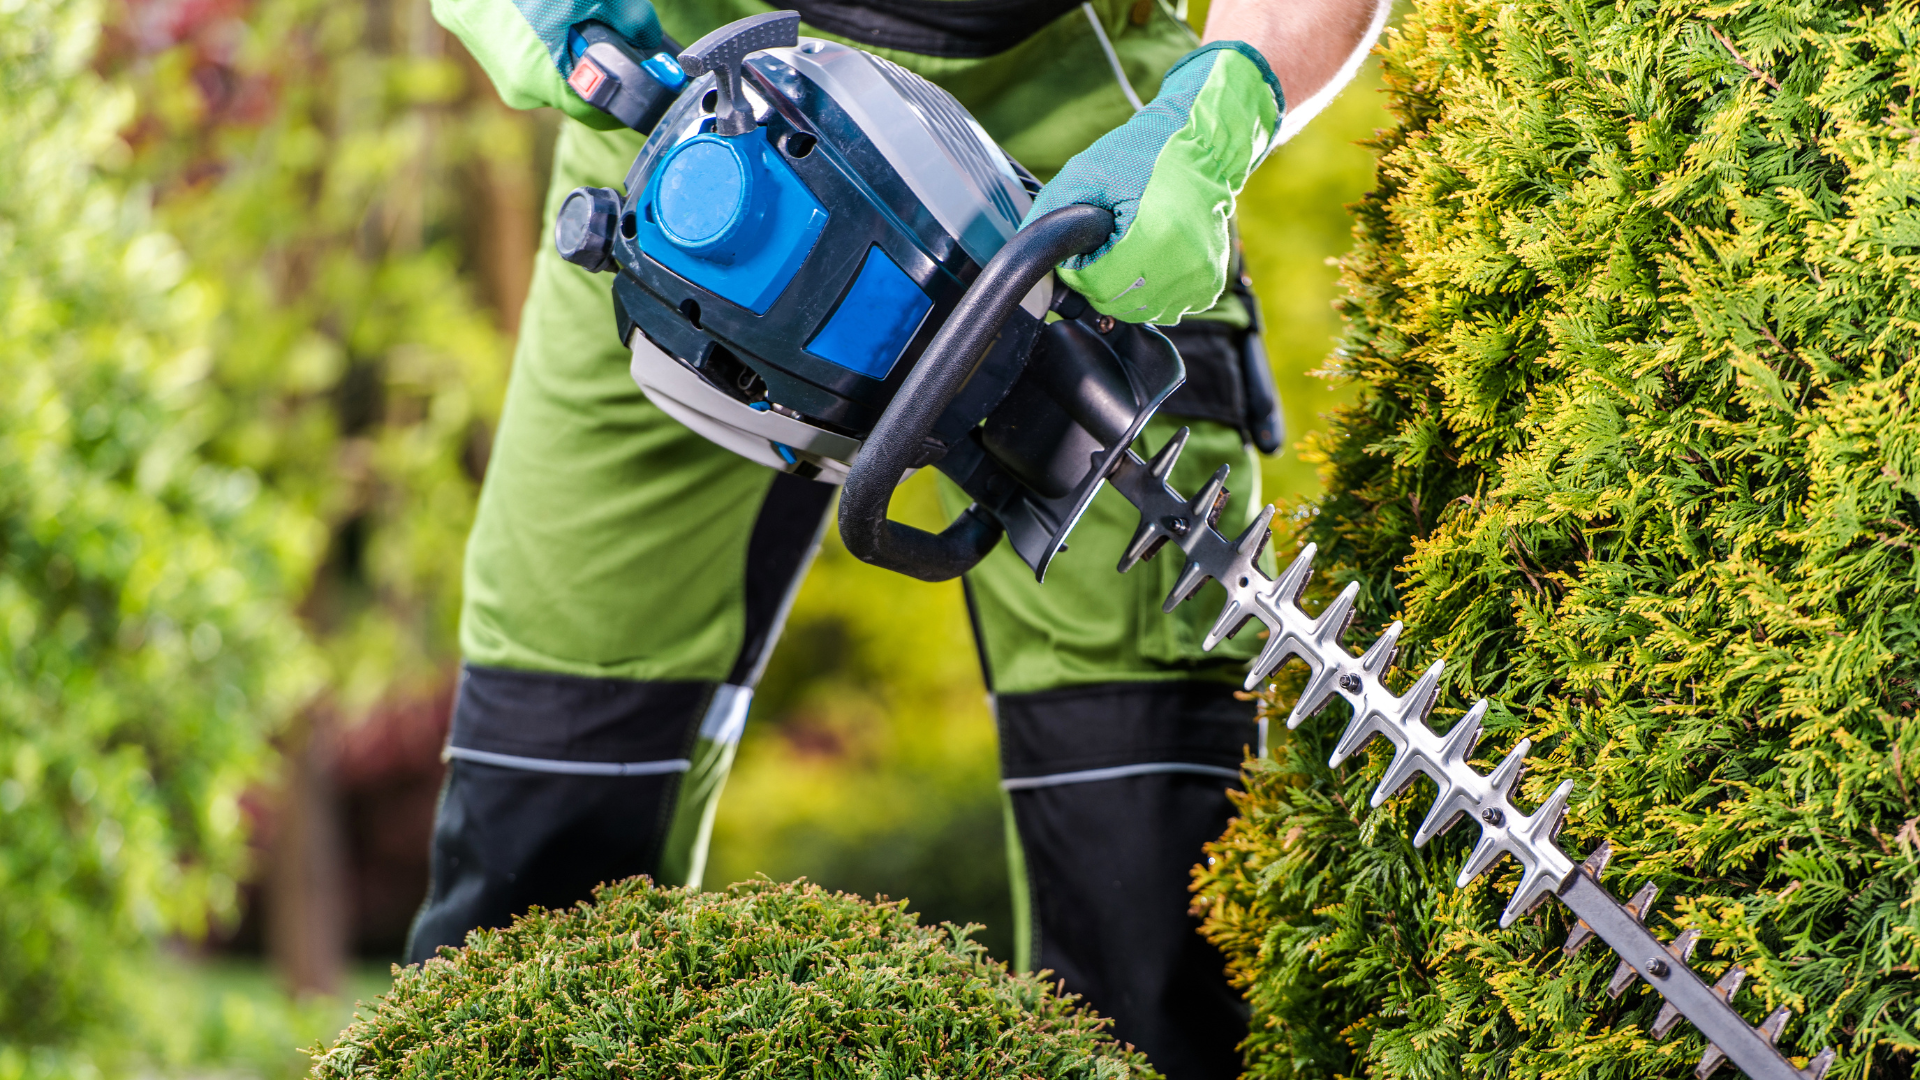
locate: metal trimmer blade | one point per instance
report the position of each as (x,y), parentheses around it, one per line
(1170,518)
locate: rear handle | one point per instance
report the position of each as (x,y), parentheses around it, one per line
(897,440)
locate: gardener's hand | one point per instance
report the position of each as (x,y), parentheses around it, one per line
(1171,174)
(523,46)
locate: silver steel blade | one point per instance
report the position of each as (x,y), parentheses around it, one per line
(1168,518)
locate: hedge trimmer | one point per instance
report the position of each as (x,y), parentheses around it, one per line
(821,266)
(1167,517)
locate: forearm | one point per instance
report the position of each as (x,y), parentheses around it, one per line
(1315,47)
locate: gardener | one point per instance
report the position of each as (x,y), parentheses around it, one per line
(626,579)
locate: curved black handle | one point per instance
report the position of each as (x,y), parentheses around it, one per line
(943,369)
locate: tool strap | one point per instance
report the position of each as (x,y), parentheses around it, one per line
(1216,387)
(966,29)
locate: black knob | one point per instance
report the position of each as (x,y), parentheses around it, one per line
(584,230)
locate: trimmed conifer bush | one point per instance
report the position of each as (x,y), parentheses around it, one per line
(764,979)
(1633,314)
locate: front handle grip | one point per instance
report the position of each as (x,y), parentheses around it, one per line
(896,441)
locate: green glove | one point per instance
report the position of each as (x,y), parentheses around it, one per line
(522,44)
(1170,176)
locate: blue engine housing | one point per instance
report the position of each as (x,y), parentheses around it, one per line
(792,264)
(778,285)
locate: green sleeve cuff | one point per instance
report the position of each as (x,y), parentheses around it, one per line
(514,58)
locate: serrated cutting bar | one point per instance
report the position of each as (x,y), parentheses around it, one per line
(1170,518)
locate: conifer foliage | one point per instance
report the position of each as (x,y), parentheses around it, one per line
(1633,313)
(765,979)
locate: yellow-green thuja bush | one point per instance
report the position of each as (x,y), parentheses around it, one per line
(763,979)
(147,639)
(1633,313)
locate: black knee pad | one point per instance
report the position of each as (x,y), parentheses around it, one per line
(557,784)
(507,840)
(1115,789)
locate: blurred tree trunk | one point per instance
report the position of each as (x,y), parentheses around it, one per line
(502,210)
(306,893)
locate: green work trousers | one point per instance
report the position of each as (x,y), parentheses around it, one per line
(625,584)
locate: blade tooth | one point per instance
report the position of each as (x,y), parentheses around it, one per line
(1452,802)
(1682,946)
(1540,881)
(1578,937)
(1281,646)
(1597,859)
(1153,531)
(1729,983)
(1508,772)
(1363,727)
(1821,1062)
(1535,886)
(1366,723)
(1642,900)
(1253,539)
(1544,824)
(1623,977)
(1492,844)
(1441,816)
(1400,772)
(1192,576)
(1161,466)
(1410,709)
(1709,1061)
(1419,700)
(1458,742)
(1286,588)
(1379,656)
(1664,1023)
(1201,506)
(1146,542)
(1240,593)
(1775,1022)
(1332,623)
(1233,615)
(1320,690)
(1282,642)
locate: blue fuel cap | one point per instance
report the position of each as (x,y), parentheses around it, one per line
(708,196)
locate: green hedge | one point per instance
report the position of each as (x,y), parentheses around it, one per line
(146,639)
(1633,313)
(768,980)
(244,394)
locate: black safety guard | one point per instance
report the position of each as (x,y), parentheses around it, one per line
(1037,462)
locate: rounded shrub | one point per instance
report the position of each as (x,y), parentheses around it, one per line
(1633,317)
(764,980)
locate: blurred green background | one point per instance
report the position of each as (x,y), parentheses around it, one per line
(260,268)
